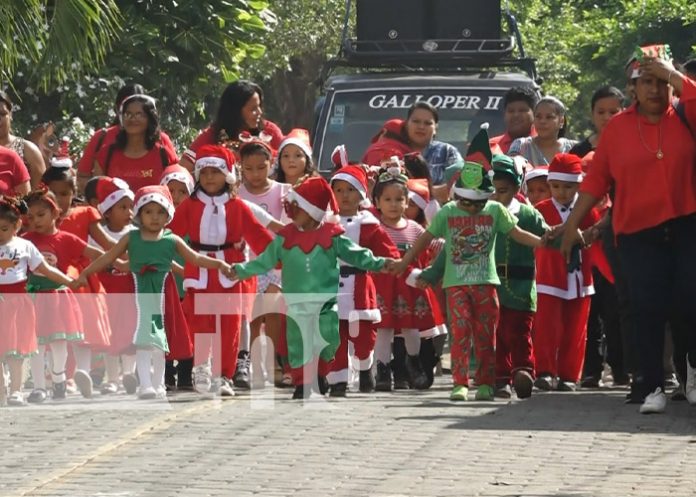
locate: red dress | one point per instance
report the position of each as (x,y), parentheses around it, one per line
(92,299)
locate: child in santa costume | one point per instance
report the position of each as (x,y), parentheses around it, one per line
(310,250)
(564,290)
(358,312)
(161,326)
(218,224)
(18,257)
(115,204)
(470,226)
(536,186)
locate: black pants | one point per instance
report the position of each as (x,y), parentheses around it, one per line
(660,268)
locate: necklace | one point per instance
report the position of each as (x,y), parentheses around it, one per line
(658,153)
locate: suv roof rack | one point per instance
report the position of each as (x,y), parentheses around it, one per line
(452,54)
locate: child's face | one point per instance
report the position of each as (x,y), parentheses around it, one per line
(64,192)
(505,191)
(255,169)
(563,192)
(412,211)
(212,180)
(153,217)
(120,215)
(348,198)
(293,161)
(302,219)
(42,218)
(178,191)
(538,190)
(8,230)
(603,110)
(393,202)
(473,207)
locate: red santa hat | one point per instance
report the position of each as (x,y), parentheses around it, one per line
(154,193)
(339,157)
(355,175)
(566,167)
(61,162)
(537,172)
(418,192)
(298,137)
(218,157)
(393,126)
(110,191)
(177,173)
(314,196)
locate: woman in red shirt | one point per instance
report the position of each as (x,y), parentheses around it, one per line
(648,155)
(138,155)
(240,110)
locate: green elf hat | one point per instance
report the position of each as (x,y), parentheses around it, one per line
(474,180)
(663,52)
(504,164)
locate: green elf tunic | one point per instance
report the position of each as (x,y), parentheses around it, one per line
(310,277)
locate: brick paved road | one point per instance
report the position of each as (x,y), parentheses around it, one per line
(405,444)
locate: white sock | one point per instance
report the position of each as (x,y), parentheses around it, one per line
(113,366)
(38,365)
(158,364)
(412,341)
(128,363)
(59,352)
(201,349)
(83,357)
(383,345)
(143,361)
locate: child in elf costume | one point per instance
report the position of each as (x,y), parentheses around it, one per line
(310,249)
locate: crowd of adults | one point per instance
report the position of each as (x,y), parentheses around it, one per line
(643,156)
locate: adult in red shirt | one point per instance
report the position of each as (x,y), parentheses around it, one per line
(28,152)
(648,155)
(14,176)
(104,137)
(240,110)
(518,105)
(138,155)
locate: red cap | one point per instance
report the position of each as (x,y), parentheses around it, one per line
(566,167)
(355,175)
(314,196)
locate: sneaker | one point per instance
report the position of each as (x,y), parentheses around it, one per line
(70,386)
(671,380)
(566,386)
(59,390)
(338,390)
(37,396)
(544,382)
(485,392)
(148,393)
(161,392)
(84,383)
(459,393)
(367,381)
(383,382)
(226,389)
(301,392)
(401,384)
(202,381)
(16,399)
(523,383)
(589,382)
(654,403)
(504,392)
(241,375)
(108,388)
(690,387)
(285,381)
(322,384)
(130,383)
(415,373)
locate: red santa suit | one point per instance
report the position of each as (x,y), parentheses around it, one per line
(560,326)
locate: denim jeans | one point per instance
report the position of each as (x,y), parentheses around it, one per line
(659,265)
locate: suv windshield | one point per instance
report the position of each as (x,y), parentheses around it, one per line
(356,115)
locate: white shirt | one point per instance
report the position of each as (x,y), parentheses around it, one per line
(17,258)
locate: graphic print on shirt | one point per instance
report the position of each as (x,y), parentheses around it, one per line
(471,239)
(9,259)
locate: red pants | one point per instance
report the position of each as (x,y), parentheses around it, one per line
(307,374)
(473,314)
(513,348)
(560,332)
(364,345)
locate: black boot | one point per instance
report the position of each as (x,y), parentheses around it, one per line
(302,392)
(338,389)
(184,375)
(398,365)
(384,380)
(170,376)
(415,372)
(428,359)
(367,381)
(322,384)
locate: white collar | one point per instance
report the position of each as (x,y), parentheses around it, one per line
(514,207)
(216,200)
(563,208)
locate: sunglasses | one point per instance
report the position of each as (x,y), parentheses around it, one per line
(480,204)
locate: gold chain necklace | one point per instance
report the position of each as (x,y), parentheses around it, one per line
(658,153)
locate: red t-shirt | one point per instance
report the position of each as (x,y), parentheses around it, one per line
(143,171)
(648,190)
(107,137)
(13,172)
(207,137)
(78,221)
(60,250)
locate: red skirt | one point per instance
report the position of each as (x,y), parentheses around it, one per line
(120,301)
(403,306)
(58,316)
(17,336)
(95,315)
(175,324)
